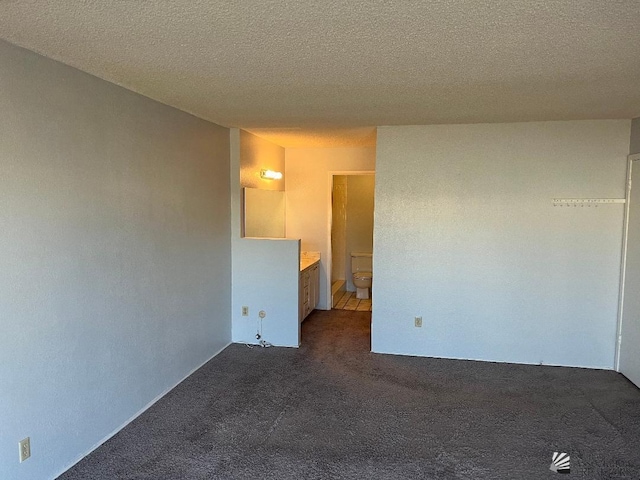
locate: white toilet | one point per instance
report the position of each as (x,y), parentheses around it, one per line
(362,273)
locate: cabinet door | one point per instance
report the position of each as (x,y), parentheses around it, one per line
(315,280)
(318,284)
(312,290)
(301,299)
(305,295)
(307,300)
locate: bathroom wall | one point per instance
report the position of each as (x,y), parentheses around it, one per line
(466,236)
(259,154)
(308,173)
(339,229)
(115,251)
(265,215)
(360,204)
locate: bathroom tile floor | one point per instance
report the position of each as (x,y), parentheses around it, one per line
(348,301)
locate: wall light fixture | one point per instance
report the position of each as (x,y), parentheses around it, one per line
(270,175)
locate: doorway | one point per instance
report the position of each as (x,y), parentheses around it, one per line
(629,329)
(351,232)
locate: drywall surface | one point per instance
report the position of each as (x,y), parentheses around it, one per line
(257,154)
(114,257)
(268,218)
(265,275)
(309,198)
(360,193)
(634,145)
(466,236)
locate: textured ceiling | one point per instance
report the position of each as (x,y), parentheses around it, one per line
(322,65)
(319,137)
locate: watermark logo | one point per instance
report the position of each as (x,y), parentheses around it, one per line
(560,463)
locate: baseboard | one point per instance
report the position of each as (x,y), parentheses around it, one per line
(486,360)
(337,285)
(141,411)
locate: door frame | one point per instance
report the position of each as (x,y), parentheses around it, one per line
(329,263)
(623,260)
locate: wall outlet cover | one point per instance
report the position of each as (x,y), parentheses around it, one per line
(245,311)
(418,322)
(25,449)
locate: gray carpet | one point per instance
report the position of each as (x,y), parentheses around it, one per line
(331,409)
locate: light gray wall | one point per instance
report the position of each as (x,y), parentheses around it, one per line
(114,257)
(634,146)
(467,237)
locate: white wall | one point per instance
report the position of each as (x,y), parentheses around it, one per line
(265,272)
(309,197)
(467,237)
(265,277)
(114,257)
(360,193)
(629,353)
(629,328)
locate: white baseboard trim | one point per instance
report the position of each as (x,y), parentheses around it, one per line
(514,362)
(141,411)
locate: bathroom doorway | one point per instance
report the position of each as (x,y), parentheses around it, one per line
(351,239)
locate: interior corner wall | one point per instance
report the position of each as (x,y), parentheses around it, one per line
(309,196)
(467,236)
(258,154)
(634,145)
(114,257)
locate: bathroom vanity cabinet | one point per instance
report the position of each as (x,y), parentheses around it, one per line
(309,287)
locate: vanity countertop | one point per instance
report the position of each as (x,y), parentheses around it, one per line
(308,259)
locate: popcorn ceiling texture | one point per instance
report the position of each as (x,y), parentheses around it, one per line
(309,64)
(319,137)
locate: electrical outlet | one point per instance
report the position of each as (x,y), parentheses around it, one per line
(245,311)
(418,322)
(25,449)
(262,314)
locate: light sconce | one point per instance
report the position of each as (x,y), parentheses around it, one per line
(270,175)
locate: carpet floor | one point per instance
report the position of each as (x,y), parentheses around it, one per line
(332,410)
